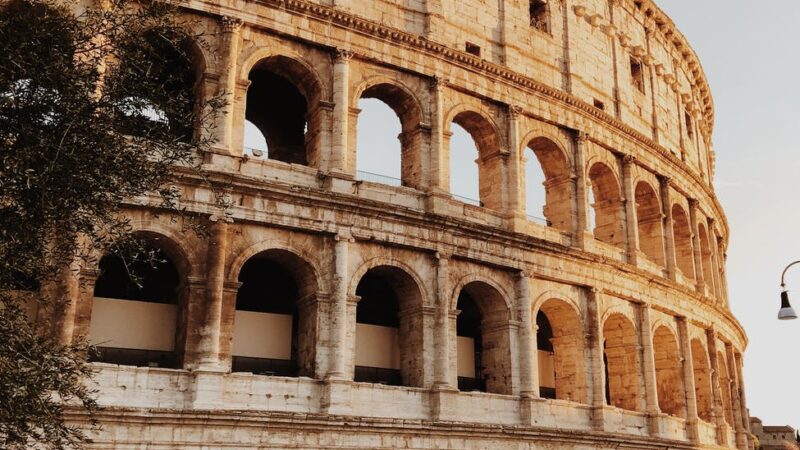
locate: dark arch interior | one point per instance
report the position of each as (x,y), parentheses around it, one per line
(278,109)
(269,287)
(152,278)
(544,336)
(379,305)
(468,324)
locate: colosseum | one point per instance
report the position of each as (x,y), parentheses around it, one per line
(331,308)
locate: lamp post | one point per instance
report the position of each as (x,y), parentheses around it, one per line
(786,312)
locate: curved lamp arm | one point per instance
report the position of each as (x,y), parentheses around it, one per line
(786,312)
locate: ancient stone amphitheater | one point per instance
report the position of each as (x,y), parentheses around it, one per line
(335,309)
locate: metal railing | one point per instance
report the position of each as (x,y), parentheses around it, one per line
(537,219)
(378,178)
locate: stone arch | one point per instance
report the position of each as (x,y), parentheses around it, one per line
(275,315)
(622,362)
(304,258)
(705,256)
(725,385)
(504,295)
(378,261)
(669,372)
(484,317)
(684,253)
(650,223)
(291,121)
(607,206)
(389,339)
(487,137)
(555,164)
(405,104)
(154,306)
(561,362)
(702,381)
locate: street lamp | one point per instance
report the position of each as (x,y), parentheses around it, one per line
(786,312)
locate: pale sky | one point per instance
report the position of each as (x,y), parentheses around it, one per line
(751,55)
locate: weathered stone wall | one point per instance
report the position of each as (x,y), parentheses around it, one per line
(639,301)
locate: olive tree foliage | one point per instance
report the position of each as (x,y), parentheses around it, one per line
(99,105)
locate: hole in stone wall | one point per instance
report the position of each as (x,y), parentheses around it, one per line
(539,13)
(472,49)
(637,74)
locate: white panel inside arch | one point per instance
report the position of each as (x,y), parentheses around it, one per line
(377,346)
(133,324)
(466,357)
(262,335)
(547,370)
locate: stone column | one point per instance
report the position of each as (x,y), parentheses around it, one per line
(64,303)
(226,89)
(516,207)
(738,420)
(528,357)
(442,335)
(743,400)
(698,255)
(649,30)
(83,312)
(688,381)
(719,408)
(722,257)
(339,309)
(582,233)
(631,224)
(341,111)
(649,368)
(714,275)
(439,173)
(208,349)
(594,345)
(669,232)
(434,19)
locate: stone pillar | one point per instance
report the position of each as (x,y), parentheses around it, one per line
(722,257)
(226,89)
(649,30)
(582,233)
(528,357)
(339,309)
(743,400)
(669,232)
(341,112)
(631,224)
(712,247)
(83,312)
(594,345)
(649,368)
(434,20)
(615,58)
(440,165)
(516,207)
(719,408)
(208,349)
(688,381)
(738,420)
(63,303)
(442,342)
(698,255)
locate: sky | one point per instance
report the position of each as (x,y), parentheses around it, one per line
(750,52)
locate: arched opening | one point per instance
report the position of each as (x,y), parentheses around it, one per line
(622,362)
(484,345)
(283,105)
(669,375)
(166,69)
(551,170)
(135,310)
(702,381)
(705,256)
(482,137)
(684,253)
(649,221)
(387,110)
(389,340)
(725,387)
(560,344)
(274,328)
(607,205)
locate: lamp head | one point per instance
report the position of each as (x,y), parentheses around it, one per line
(786,312)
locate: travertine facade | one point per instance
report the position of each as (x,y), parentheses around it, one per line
(387,299)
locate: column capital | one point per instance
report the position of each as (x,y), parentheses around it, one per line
(438,82)
(514,111)
(628,159)
(342,55)
(582,137)
(230,24)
